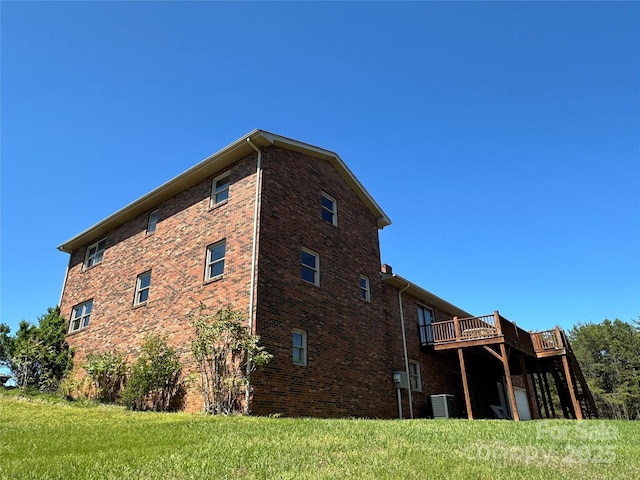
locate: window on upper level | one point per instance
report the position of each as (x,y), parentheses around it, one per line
(220,189)
(143,285)
(80,316)
(414,376)
(310,267)
(152,222)
(329,209)
(299,352)
(425,319)
(365,293)
(95,253)
(215,260)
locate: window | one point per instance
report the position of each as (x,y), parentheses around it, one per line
(329,211)
(80,316)
(299,347)
(365,293)
(414,376)
(215,260)
(425,319)
(142,288)
(95,253)
(220,189)
(153,221)
(310,267)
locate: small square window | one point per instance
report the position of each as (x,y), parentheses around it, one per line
(215,260)
(414,376)
(143,284)
(80,316)
(329,209)
(152,222)
(95,253)
(220,189)
(310,267)
(299,353)
(365,293)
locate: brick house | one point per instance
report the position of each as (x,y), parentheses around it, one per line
(283,231)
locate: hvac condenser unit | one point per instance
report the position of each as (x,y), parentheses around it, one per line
(443,406)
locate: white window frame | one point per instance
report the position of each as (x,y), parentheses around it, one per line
(95,258)
(210,262)
(216,191)
(301,359)
(80,315)
(315,270)
(415,379)
(333,212)
(140,289)
(365,290)
(152,221)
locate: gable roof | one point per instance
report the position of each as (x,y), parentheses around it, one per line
(213,164)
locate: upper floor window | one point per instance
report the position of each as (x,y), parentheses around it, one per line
(310,267)
(414,376)
(329,209)
(95,253)
(80,316)
(220,189)
(425,319)
(215,260)
(143,284)
(299,347)
(152,222)
(365,293)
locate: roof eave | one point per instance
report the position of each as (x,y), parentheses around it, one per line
(429,298)
(213,164)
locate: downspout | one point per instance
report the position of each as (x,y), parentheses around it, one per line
(254,252)
(404,347)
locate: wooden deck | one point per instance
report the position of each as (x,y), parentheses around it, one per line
(498,336)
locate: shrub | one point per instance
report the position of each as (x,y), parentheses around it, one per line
(226,352)
(155,377)
(108,373)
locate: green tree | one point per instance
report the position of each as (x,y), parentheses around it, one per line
(223,348)
(38,356)
(609,354)
(155,377)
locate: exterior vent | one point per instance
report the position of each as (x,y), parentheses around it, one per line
(443,406)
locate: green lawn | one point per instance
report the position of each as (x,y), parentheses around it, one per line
(44,440)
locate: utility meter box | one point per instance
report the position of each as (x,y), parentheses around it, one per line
(400,379)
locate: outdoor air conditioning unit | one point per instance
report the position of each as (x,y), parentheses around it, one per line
(443,406)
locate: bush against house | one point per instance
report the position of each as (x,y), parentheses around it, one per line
(108,373)
(226,352)
(37,355)
(154,381)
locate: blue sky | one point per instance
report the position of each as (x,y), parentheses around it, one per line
(502,139)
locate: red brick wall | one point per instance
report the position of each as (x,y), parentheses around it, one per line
(175,254)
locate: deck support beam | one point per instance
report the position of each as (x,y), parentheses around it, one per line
(527,387)
(577,410)
(465,385)
(507,374)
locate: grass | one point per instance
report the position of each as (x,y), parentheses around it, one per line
(40,439)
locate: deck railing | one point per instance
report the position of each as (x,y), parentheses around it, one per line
(547,340)
(476,328)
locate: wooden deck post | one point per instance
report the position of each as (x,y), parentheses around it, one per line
(542,392)
(465,385)
(456,328)
(496,320)
(527,387)
(507,374)
(577,410)
(546,386)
